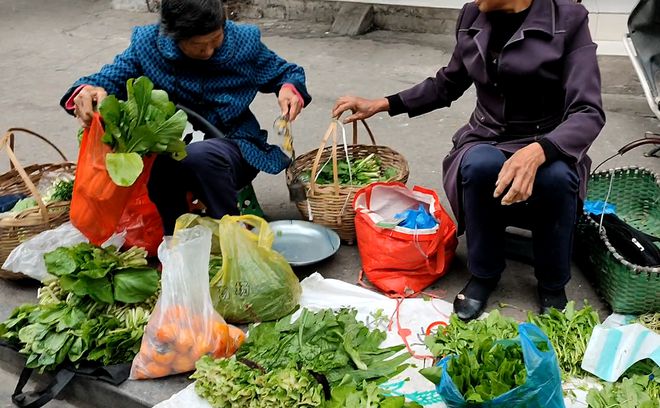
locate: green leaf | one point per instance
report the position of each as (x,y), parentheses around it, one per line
(124,168)
(432,374)
(135,285)
(98,289)
(60,262)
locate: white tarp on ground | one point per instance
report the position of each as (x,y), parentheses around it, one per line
(414,314)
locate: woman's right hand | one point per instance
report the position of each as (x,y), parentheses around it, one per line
(362,108)
(86,102)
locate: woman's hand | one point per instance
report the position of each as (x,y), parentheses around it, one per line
(519,172)
(289,103)
(362,108)
(85,103)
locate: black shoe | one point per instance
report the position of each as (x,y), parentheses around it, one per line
(552,299)
(471,301)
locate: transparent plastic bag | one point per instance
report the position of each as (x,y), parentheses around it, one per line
(28,257)
(256,283)
(183,326)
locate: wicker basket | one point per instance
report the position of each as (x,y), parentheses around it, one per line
(22,180)
(635,191)
(332,205)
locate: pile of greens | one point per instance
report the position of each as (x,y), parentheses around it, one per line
(362,172)
(231,383)
(323,359)
(67,329)
(147,122)
(62,190)
(333,344)
(104,274)
(633,391)
(569,332)
(650,321)
(489,370)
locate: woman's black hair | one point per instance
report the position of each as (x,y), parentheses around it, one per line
(183,19)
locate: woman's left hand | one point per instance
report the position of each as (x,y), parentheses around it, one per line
(290,103)
(519,171)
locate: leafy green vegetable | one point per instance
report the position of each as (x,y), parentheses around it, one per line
(24,204)
(230,383)
(147,122)
(65,328)
(368,395)
(569,332)
(637,391)
(104,274)
(62,191)
(650,321)
(488,371)
(333,344)
(362,172)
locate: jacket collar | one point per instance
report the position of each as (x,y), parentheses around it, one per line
(541,18)
(171,51)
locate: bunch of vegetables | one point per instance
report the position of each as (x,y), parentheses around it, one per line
(179,339)
(326,347)
(650,321)
(61,190)
(489,370)
(569,332)
(636,390)
(231,383)
(359,173)
(104,274)
(147,122)
(64,328)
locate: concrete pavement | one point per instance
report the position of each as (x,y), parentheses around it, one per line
(45,46)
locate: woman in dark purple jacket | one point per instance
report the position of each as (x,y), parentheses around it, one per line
(524,149)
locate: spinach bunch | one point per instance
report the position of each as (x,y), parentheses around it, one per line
(231,383)
(636,391)
(362,172)
(147,122)
(333,344)
(488,371)
(104,274)
(67,329)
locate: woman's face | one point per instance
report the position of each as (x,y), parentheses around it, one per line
(486,6)
(202,47)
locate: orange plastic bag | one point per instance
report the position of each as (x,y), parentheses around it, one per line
(141,221)
(395,259)
(184,326)
(98,203)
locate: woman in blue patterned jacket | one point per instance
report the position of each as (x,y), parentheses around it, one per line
(215,68)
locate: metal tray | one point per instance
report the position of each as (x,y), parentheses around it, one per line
(304,243)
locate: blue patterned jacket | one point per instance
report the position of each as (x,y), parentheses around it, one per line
(220,89)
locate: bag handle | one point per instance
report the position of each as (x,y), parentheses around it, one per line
(7,143)
(36,399)
(332,131)
(630,146)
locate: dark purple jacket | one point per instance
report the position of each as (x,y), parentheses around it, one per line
(548,87)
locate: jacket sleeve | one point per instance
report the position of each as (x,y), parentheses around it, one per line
(440,91)
(583,115)
(112,77)
(273,71)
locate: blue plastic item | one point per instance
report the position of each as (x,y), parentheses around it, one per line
(7,202)
(599,207)
(417,219)
(543,385)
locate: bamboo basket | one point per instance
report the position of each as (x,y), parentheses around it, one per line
(22,226)
(332,205)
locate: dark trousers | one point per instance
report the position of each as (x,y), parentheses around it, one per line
(551,214)
(214,171)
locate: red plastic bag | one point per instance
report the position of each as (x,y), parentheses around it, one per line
(141,220)
(401,260)
(98,203)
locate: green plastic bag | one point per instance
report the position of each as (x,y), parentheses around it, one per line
(255,284)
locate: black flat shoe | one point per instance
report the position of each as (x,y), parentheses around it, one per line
(552,299)
(468,309)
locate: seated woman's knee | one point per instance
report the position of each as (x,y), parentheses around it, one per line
(557,177)
(482,162)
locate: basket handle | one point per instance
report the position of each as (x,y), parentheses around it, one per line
(6,144)
(332,131)
(630,146)
(355,132)
(11,131)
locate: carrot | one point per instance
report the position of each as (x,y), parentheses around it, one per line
(166,333)
(184,341)
(183,363)
(155,370)
(164,358)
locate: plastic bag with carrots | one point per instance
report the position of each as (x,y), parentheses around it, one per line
(184,325)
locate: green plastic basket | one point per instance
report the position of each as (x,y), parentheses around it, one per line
(628,288)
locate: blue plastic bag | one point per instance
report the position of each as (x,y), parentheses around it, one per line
(416,219)
(541,389)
